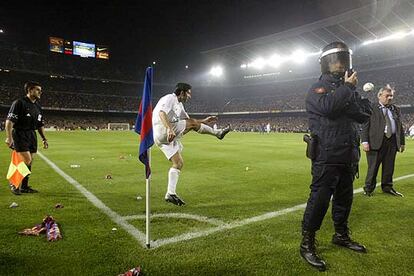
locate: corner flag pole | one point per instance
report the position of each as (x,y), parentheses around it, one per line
(143,127)
(148,205)
(148,187)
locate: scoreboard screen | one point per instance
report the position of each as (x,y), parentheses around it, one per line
(68,47)
(83,49)
(56,44)
(77,48)
(102,52)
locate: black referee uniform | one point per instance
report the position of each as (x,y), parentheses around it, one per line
(27,117)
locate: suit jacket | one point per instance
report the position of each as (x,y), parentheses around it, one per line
(373,130)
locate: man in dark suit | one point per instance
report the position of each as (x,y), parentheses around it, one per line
(382,136)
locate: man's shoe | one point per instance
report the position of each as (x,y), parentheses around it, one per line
(346,241)
(393,192)
(368,193)
(174,199)
(308,251)
(28,190)
(15,190)
(223,132)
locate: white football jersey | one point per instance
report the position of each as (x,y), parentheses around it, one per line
(172,107)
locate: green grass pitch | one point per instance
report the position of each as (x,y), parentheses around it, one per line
(216,185)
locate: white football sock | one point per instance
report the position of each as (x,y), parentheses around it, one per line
(205,129)
(173,175)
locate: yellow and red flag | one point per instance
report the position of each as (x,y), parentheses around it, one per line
(17,170)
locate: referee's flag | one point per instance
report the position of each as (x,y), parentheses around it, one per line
(143,124)
(17,170)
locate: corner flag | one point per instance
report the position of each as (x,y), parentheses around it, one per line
(143,124)
(17,170)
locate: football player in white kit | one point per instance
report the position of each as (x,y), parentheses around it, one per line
(170,122)
(268,128)
(411,130)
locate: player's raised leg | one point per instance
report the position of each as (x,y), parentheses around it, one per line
(203,128)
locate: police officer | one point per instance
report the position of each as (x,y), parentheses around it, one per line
(24,117)
(335,111)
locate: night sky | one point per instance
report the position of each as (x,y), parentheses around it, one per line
(171,32)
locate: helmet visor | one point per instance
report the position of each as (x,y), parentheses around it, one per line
(337,60)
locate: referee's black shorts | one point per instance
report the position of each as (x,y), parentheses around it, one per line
(24,140)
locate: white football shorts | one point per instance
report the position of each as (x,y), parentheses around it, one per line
(160,138)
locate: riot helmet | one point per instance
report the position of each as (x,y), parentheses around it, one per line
(335,59)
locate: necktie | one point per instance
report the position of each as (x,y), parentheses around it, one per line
(388,133)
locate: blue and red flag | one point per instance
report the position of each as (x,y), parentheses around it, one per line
(143,124)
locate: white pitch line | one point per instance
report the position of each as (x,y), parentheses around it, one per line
(139,236)
(178,215)
(193,235)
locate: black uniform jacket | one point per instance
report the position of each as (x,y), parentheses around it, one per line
(335,111)
(25,115)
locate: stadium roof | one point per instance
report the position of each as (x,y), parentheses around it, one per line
(372,22)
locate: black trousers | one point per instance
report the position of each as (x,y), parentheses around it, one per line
(328,181)
(385,156)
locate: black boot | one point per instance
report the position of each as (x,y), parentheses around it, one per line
(14,190)
(25,188)
(308,251)
(345,240)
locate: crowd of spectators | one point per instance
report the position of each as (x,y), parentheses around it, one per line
(85,122)
(65,100)
(71,84)
(283,96)
(277,124)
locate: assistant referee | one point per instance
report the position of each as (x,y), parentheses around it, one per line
(24,117)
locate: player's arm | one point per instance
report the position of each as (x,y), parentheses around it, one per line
(40,128)
(12,118)
(166,123)
(41,131)
(9,138)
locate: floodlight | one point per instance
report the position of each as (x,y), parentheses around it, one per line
(398,35)
(216,71)
(275,60)
(298,56)
(258,63)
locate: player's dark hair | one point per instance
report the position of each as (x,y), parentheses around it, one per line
(181,86)
(29,85)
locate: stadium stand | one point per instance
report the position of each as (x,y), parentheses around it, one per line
(69,94)
(90,93)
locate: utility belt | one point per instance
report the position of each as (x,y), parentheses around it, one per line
(313,149)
